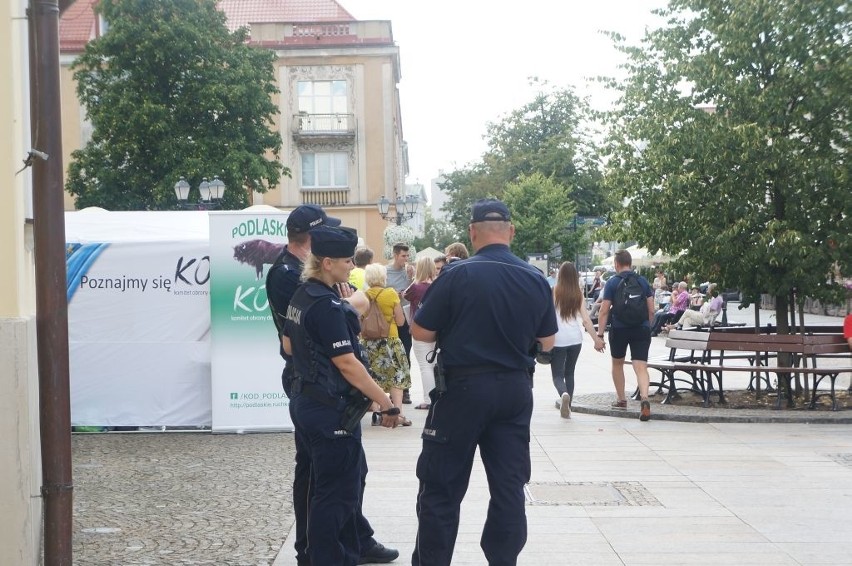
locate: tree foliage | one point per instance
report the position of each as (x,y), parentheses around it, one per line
(730,143)
(170,92)
(548,137)
(542,214)
(437,234)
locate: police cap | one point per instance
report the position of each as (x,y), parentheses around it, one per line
(489,209)
(327,241)
(307,217)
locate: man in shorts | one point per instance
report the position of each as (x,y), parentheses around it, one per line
(622,335)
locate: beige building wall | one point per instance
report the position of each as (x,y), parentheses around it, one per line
(20,462)
(374,101)
(378,167)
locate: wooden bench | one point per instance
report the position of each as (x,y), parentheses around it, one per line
(708,352)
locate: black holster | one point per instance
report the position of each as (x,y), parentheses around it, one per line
(354,410)
(438,370)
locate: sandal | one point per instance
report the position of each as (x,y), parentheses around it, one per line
(402,421)
(423,406)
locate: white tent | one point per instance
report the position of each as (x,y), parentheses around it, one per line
(643,258)
(138,318)
(429,252)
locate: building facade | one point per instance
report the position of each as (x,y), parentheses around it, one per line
(339,107)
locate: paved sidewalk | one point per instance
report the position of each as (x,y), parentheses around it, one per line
(609,490)
(604,490)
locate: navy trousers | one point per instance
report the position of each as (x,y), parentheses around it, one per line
(336,476)
(302,494)
(491,411)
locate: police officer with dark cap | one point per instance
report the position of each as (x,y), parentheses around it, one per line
(321,336)
(282,280)
(487,314)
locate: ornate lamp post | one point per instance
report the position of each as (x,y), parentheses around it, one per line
(404,208)
(211,193)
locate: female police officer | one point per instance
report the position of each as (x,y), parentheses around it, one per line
(321,334)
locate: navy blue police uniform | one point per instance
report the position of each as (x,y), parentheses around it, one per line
(622,335)
(282,280)
(318,330)
(487,311)
(321,326)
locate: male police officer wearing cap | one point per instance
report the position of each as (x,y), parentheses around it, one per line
(321,336)
(486,312)
(282,281)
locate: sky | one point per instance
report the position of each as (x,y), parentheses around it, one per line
(466,63)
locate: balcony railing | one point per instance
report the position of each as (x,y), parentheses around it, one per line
(324,125)
(321,197)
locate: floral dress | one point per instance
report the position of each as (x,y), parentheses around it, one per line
(388,363)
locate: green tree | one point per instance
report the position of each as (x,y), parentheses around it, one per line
(542,215)
(170,92)
(730,143)
(550,136)
(436,234)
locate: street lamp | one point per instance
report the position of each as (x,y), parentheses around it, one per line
(404,207)
(211,193)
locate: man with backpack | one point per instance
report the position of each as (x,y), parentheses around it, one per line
(630,299)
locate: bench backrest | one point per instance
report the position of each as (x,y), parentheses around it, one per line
(687,340)
(805,344)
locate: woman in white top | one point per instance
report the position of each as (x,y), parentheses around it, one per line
(571,318)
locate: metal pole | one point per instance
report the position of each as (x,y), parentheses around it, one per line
(51,302)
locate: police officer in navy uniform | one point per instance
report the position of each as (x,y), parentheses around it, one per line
(321,336)
(487,313)
(282,280)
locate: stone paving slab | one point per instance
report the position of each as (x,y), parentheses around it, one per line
(694,492)
(180,498)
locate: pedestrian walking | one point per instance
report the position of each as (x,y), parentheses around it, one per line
(487,313)
(571,318)
(628,297)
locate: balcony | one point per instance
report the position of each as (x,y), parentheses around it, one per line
(323,126)
(325,197)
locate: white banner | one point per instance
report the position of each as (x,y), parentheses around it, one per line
(246,365)
(138,329)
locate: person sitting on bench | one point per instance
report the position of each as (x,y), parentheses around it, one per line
(706,316)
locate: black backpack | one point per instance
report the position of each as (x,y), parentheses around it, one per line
(629,305)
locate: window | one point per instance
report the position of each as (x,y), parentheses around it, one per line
(322,97)
(323,170)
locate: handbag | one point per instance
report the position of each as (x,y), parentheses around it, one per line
(374,325)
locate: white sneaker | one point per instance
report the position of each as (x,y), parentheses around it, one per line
(565,408)
(557,404)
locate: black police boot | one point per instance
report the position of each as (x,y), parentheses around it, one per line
(379,554)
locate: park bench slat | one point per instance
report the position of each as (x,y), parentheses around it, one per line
(702,365)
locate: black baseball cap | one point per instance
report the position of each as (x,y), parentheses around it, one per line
(489,209)
(307,217)
(327,241)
